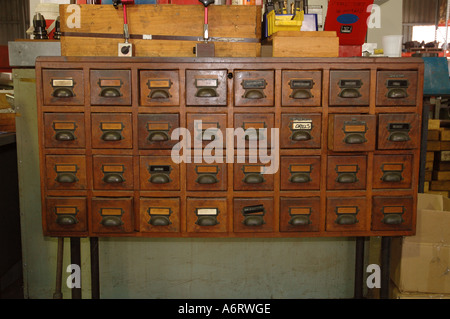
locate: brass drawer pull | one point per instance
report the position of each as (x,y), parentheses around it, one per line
(254,215)
(111,217)
(350,89)
(159,216)
(393,215)
(160,174)
(300,216)
(113,174)
(301,89)
(346,215)
(207,216)
(66,173)
(66,216)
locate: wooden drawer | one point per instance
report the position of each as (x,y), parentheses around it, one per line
(300,172)
(392,171)
(346,172)
(207,128)
(159,173)
(392,213)
(155,130)
(398,131)
(110,87)
(256,129)
(159,215)
(113,172)
(111,130)
(251,177)
(301,131)
(349,88)
(253,215)
(159,88)
(64,130)
(396,88)
(299,214)
(112,215)
(346,214)
(63,87)
(206,87)
(254,88)
(301,88)
(66,214)
(207,215)
(352,133)
(205,177)
(66,172)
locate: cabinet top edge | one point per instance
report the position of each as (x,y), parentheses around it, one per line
(112,59)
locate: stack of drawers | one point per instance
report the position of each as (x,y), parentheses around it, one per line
(115,161)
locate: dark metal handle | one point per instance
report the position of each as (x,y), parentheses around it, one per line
(66,220)
(207,221)
(113,178)
(399,137)
(347,178)
(301,136)
(392,177)
(300,220)
(254,220)
(160,179)
(110,92)
(159,221)
(63,93)
(111,136)
(66,178)
(355,138)
(397,94)
(300,178)
(64,136)
(253,178)
(346,219)
(254,94)
(207,179)
(206,92)
(111,221)
(301,94)
(159,94)
(158,136)
(392,219)
(349,93)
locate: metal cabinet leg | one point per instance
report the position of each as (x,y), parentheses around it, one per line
(359,267)
(75,258)
(95,280)
(385,267)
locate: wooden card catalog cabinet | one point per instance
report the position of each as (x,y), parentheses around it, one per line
(229,147)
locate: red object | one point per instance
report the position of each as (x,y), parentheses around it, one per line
(349,20)
(350,50)
(178,2)
(4,59)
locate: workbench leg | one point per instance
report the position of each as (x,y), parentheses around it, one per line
(75,258)
(359,267)
(95,280)
(385,267)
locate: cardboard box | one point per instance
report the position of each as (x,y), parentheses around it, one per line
(397,294)
(421,263)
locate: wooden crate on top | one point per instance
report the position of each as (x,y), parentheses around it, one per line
(162,30)
(305,44)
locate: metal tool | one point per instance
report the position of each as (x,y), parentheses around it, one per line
(126,48)
(40,27)
(205,49)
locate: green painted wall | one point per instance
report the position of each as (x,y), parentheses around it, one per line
(172,268)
